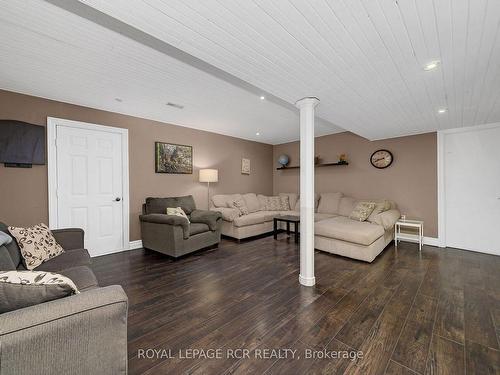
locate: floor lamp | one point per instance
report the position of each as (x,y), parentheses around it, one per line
(208,176)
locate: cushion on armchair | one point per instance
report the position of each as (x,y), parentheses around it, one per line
(206,217)
(167,219)
(159,205)
(12,248)
(177,211)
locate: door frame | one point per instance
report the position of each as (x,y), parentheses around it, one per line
(52,124)
(441,152)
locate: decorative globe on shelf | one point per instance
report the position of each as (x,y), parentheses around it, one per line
(283,160)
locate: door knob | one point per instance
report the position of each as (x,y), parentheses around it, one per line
(118,199)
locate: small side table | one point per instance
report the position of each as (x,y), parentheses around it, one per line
(398,235)
(287,219)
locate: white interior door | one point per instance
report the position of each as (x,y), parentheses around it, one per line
(90,186)
(472,189)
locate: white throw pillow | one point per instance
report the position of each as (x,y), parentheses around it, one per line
(329,203)
(252,202)
(37,244)
(177,211)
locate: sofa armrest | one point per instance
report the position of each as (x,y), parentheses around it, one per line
(206,217)
(167,220)
(82,334)
(228,214)
(387,218)
(69,238)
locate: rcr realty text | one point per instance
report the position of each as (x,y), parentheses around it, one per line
(241,353)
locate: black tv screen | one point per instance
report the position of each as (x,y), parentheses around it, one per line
(21,143)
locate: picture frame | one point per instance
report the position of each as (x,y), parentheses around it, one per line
(172,158)
(245,166)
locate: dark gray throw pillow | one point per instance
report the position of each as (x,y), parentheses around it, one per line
(20,289)
(6,263)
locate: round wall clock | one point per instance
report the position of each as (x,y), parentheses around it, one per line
(381,159)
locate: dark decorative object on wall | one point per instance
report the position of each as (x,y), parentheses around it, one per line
(381,159)
(21,144)
(172,158)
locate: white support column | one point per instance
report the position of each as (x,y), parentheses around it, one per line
(306,106)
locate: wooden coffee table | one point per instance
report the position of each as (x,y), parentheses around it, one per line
(287,219)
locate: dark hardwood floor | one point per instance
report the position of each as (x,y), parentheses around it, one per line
(437,312)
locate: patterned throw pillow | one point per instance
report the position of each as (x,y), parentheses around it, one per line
(362,211)
(177,211)
(280,203)
(27,288)
(273,204)
(37,244)
(241,206)
(284,203)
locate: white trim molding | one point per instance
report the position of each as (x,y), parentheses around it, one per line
(441,136)
(432,241)
(137,244)
(52,124)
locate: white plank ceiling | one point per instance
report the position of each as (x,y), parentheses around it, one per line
(52,53)
(362,58)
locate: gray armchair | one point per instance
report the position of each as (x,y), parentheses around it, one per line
(174,235)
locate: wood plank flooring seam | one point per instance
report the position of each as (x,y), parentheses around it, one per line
(447,338)
(409,369)
(497,330)
(406,319)
(432,334)
(360,303)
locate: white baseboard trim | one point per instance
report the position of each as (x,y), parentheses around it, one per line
(132,246)
(430,241)
(135,244)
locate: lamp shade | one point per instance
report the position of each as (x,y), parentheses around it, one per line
(209,175)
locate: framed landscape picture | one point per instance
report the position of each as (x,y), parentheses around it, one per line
(172,158)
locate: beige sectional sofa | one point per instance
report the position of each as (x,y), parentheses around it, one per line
(334,231)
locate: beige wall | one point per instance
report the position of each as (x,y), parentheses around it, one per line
(23,192)
(411,180)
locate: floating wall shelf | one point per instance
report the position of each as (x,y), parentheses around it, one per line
(316,165)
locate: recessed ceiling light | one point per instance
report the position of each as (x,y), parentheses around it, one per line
(262,97)
(257,133)
(442,110)
(431,65)
(119,100)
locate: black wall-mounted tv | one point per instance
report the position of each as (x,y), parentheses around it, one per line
(21,144)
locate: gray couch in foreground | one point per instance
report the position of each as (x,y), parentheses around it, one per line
(174,235)
(84,333)
(334,231)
